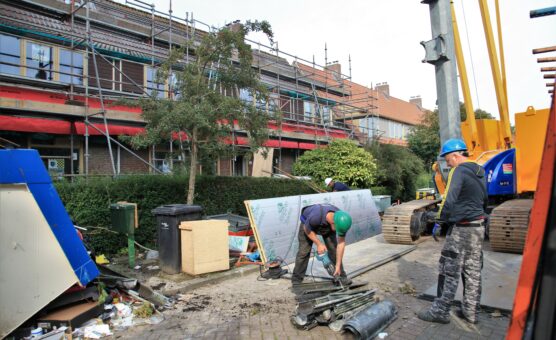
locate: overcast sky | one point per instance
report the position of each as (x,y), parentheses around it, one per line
(383,39)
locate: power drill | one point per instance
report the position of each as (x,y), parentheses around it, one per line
(328,265)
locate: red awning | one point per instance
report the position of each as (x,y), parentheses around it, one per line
(112,129)
(307,146)
(61,127)
(273,143)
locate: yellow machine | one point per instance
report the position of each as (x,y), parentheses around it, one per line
(512,164)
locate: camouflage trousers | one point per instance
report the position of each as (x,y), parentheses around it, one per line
(462,254)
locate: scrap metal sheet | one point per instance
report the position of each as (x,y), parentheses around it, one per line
(275,221)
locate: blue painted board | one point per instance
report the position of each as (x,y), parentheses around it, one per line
(24,166)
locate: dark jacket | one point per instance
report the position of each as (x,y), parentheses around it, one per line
(314,217)
(466,197)
(339,186)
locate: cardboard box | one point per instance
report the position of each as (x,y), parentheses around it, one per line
(72,316)
(204,246)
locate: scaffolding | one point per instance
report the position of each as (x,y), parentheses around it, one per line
(308,95)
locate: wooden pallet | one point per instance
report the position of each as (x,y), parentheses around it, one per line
(397,219)
(508,225)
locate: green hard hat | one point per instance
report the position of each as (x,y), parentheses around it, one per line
(342,222)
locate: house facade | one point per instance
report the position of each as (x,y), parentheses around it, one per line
(65,64)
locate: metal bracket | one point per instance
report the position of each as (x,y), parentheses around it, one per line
(435,50)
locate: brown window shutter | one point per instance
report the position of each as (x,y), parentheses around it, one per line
(104,73)
(135,72)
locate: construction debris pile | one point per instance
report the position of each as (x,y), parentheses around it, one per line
(110,302)
(352,309)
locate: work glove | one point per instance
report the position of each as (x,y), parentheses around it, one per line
(436,231)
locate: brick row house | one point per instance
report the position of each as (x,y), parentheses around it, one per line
(48,85)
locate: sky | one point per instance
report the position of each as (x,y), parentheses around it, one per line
(383,39)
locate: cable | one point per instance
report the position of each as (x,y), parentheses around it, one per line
(115,232)
(470,55)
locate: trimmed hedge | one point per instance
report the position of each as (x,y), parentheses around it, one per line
(87,202)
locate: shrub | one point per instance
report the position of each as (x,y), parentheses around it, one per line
(87,202)
(399,171)
(342,160)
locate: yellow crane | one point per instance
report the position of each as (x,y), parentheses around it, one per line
(512,164)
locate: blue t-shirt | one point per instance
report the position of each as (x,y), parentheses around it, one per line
(339,186)
(314,216)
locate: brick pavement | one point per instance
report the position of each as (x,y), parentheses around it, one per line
(205,325)
(245,308)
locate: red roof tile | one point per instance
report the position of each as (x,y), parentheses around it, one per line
(369,101)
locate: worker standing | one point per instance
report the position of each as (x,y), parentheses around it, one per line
(332,224)
(336,186)
(463,210)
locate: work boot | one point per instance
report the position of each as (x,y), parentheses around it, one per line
(461,315)
(426,315)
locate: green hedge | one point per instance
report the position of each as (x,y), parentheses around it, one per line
(87,202)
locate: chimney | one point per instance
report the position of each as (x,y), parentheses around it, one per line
(417,101)
(235,26)
(383,87)
(335,67)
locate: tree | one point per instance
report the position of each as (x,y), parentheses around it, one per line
(479,113)
(200,116)
(342,160)
(424,138)
(398,169)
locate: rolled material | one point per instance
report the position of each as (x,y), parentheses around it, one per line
(370,321)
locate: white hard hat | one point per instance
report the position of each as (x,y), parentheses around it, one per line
(327,181)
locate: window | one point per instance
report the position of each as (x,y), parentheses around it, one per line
(273,103)
(39,61)
(396,130)
(9,54)
(174,86)
(308,110)
(246,95)
(152,83)
(326,115)
(71,67)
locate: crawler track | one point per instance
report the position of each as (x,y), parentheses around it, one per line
(403,224)
(508,225)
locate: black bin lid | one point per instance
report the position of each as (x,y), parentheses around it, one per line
(177,209)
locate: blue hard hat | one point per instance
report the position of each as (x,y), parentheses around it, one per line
(452,145)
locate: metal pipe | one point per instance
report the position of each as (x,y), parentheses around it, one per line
(103,109)
(370,321)
(86,57)
(535,13)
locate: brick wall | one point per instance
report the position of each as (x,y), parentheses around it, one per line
(99,162)
(131,164)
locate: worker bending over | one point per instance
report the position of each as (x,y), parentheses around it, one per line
(332,224)
(336,186)
(463,211)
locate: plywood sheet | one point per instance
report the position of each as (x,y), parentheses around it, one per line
(33,267)
(204,246)
(500,274)
(275,221)
(262,167)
